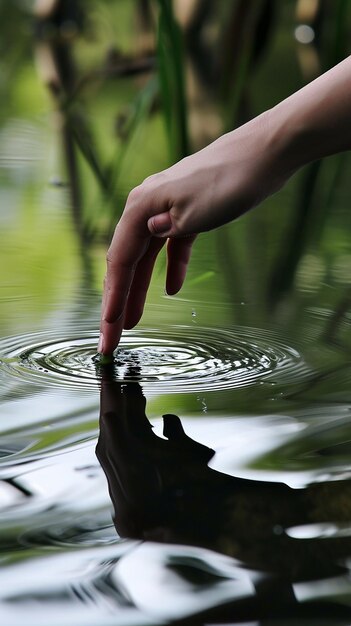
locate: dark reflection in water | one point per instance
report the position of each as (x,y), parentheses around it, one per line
(163,490)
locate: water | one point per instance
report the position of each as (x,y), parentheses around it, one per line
(204,477)
(181,359)
(237,509)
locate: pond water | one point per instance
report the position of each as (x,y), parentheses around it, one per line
(202,478)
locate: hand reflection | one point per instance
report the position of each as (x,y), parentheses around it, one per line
(158,486)
(163,490)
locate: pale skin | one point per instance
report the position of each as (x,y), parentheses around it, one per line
(214,186)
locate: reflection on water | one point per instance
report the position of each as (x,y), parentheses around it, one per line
(162,489)
(239,510)
(250,549)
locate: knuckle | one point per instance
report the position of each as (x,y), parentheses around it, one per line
(148,180)
(154,179)
(177,222)
(134,195)
(145,193)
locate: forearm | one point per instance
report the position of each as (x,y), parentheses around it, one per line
(316,120)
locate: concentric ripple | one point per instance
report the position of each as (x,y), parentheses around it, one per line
(182,360)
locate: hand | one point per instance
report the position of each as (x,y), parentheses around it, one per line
(201,192)
(214,186)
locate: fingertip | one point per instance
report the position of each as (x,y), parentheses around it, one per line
(172,290)
(178,254)
(111,334)
(109,348)
(129,324)
(175,281)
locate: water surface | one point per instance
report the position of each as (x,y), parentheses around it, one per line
(220,491)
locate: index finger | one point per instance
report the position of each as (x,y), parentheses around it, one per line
(128,245)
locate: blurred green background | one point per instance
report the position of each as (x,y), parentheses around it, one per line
(95,96)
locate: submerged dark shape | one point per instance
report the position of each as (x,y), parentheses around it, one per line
(148,476)
(163,490)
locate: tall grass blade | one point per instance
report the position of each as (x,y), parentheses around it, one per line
(298,237)
(340,42)
(172,80)
(140,110)
(310,218)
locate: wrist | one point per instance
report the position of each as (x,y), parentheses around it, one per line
(290,137)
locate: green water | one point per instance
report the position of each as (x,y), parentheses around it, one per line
(236,506)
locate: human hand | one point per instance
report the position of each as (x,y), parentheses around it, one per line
(214,186)
(201,192)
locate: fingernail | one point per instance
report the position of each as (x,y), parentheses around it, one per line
(101,344)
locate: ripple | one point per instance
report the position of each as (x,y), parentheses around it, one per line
(181,360)
(95,531)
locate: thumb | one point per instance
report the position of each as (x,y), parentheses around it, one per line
(160,225)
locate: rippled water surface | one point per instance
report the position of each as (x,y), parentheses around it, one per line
(182,359)
(252,479)
(204,476)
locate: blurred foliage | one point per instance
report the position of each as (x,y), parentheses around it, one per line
(133,85)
